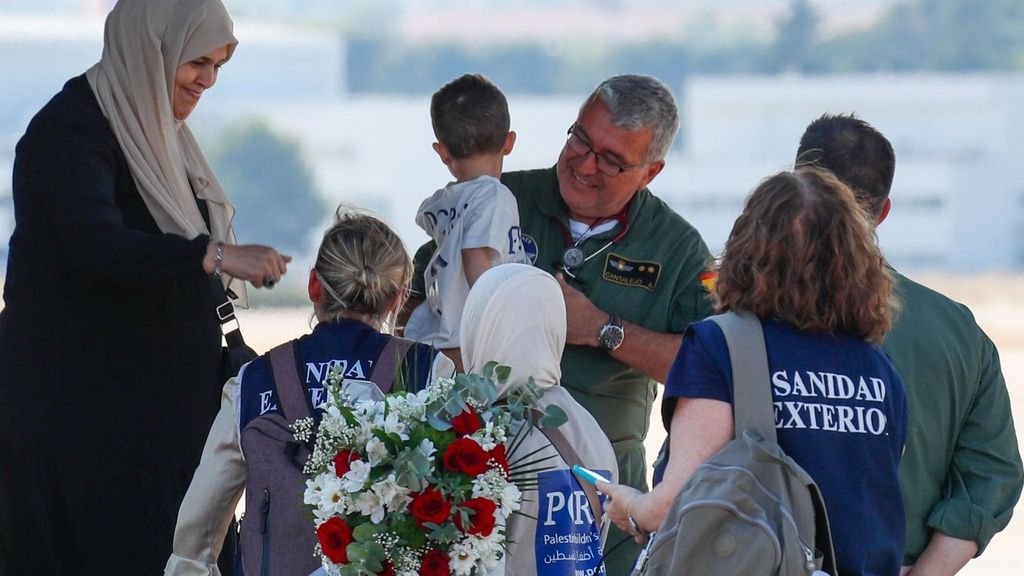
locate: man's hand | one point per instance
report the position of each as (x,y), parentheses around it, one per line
(649,352)
(584,320)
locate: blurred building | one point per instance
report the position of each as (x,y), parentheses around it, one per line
(958,194)
(958,198)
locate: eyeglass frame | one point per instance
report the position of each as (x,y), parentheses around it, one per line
(599,157)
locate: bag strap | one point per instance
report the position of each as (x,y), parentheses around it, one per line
(291,393)
(568,453)
(752,394)
(390,357)
(226,314)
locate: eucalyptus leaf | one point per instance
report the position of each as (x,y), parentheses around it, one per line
(357,553)
(377,552)
(437,423)
(365,532)
(488,370)
(553,417)
(502,372)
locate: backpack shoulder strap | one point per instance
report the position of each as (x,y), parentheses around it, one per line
(290,392)
(388,361)
(751,383)
(568,453)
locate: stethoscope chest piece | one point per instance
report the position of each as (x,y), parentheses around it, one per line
(573,257)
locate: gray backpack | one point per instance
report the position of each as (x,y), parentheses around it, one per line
(277,536)
(750,509)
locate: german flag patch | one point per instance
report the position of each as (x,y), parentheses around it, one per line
(621,270)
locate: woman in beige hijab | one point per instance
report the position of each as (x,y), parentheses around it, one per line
(515,315)
(110,355)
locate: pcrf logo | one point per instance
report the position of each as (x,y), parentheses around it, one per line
(575,505)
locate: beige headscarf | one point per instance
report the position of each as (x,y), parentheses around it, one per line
(515,315)
(144,43)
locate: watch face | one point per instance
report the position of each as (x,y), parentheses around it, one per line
(611,336)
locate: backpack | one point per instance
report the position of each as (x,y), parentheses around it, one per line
(277,536)
(749,509)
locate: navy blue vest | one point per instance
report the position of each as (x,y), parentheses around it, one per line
(350,344)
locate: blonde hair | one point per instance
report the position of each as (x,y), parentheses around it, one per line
(362,265)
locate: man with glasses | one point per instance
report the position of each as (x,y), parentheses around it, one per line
(629,266)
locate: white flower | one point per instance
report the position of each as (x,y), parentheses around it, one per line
(326,494)
(427,448)
(376,451)
(357,475)
(489,548)
(511,499)
(462,557)
(493,486)
(394,425)
(369,504)
(393,495)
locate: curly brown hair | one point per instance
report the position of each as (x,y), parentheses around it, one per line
(804,252)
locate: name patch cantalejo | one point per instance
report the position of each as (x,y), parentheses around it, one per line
(621,270)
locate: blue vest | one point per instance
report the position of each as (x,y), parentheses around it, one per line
(349,344)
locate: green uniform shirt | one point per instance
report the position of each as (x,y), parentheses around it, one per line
(649,276)
(961,471)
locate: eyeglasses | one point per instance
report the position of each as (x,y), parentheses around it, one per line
(581,147)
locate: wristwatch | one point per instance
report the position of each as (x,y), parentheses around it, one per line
(612,334)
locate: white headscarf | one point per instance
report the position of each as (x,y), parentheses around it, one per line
(144,43)
(515,315)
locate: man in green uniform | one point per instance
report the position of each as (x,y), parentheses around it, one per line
(961,473)
(629,266)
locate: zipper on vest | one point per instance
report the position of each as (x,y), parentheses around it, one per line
(265,531)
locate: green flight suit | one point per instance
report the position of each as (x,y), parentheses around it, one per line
(649,276)
(961,472)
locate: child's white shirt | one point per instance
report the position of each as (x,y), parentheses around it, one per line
(479,213)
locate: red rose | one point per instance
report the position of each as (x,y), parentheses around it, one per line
(481,521)
(430,506)
(342,460)
(389,569)
(335,536)
(498,456)
(467,422)
(465,455)
(434,563)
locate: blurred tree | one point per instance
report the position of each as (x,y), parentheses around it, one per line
(935,35)
(270,185)
(793,50)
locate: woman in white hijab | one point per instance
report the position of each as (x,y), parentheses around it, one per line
(110,346)
(515,315)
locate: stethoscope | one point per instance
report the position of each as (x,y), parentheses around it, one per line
(573,257)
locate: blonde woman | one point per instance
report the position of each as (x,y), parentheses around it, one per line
(359,282)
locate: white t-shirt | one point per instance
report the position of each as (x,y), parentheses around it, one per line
(479,213)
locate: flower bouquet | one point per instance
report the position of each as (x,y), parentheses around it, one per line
(420,484)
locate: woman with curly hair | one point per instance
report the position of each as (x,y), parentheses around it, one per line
(803,258)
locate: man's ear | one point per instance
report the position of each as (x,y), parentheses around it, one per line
(315,289)
(443,153)
(885,212)
(653,169)
(510,142)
